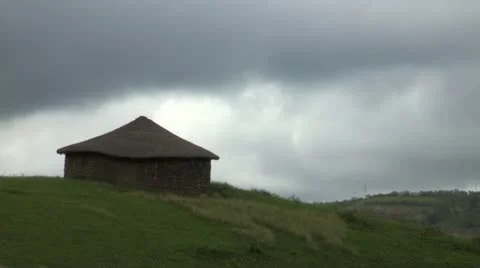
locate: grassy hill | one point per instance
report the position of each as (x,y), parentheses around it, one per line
(451,211)
(48,222)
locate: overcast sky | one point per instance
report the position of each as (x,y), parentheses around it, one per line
(312,98)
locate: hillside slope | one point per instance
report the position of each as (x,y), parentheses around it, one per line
(452,211)
(49,222)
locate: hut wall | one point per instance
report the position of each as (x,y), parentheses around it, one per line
(183,176)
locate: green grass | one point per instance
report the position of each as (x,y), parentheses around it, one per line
(49,222)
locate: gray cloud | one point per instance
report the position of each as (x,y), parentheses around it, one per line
(329,149)
(339,173)
(419,135)
(341,95)
(455,102)
(62,53)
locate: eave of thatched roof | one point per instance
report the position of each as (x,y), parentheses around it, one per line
(141,138)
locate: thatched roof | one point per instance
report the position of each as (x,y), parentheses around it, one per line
(141,138)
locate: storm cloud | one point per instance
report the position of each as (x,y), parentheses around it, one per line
(69,52)
(313,98)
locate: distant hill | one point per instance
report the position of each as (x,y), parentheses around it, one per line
(452,211)
(47,222)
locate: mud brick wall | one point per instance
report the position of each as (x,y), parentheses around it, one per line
(182,176)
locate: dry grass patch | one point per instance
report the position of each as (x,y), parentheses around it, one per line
(257,219)
(97,210)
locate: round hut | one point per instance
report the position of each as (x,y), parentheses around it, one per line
(141,154)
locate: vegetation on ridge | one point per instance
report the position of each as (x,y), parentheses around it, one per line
(66,223)
(451,211)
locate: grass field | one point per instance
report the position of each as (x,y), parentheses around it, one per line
(48,222)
